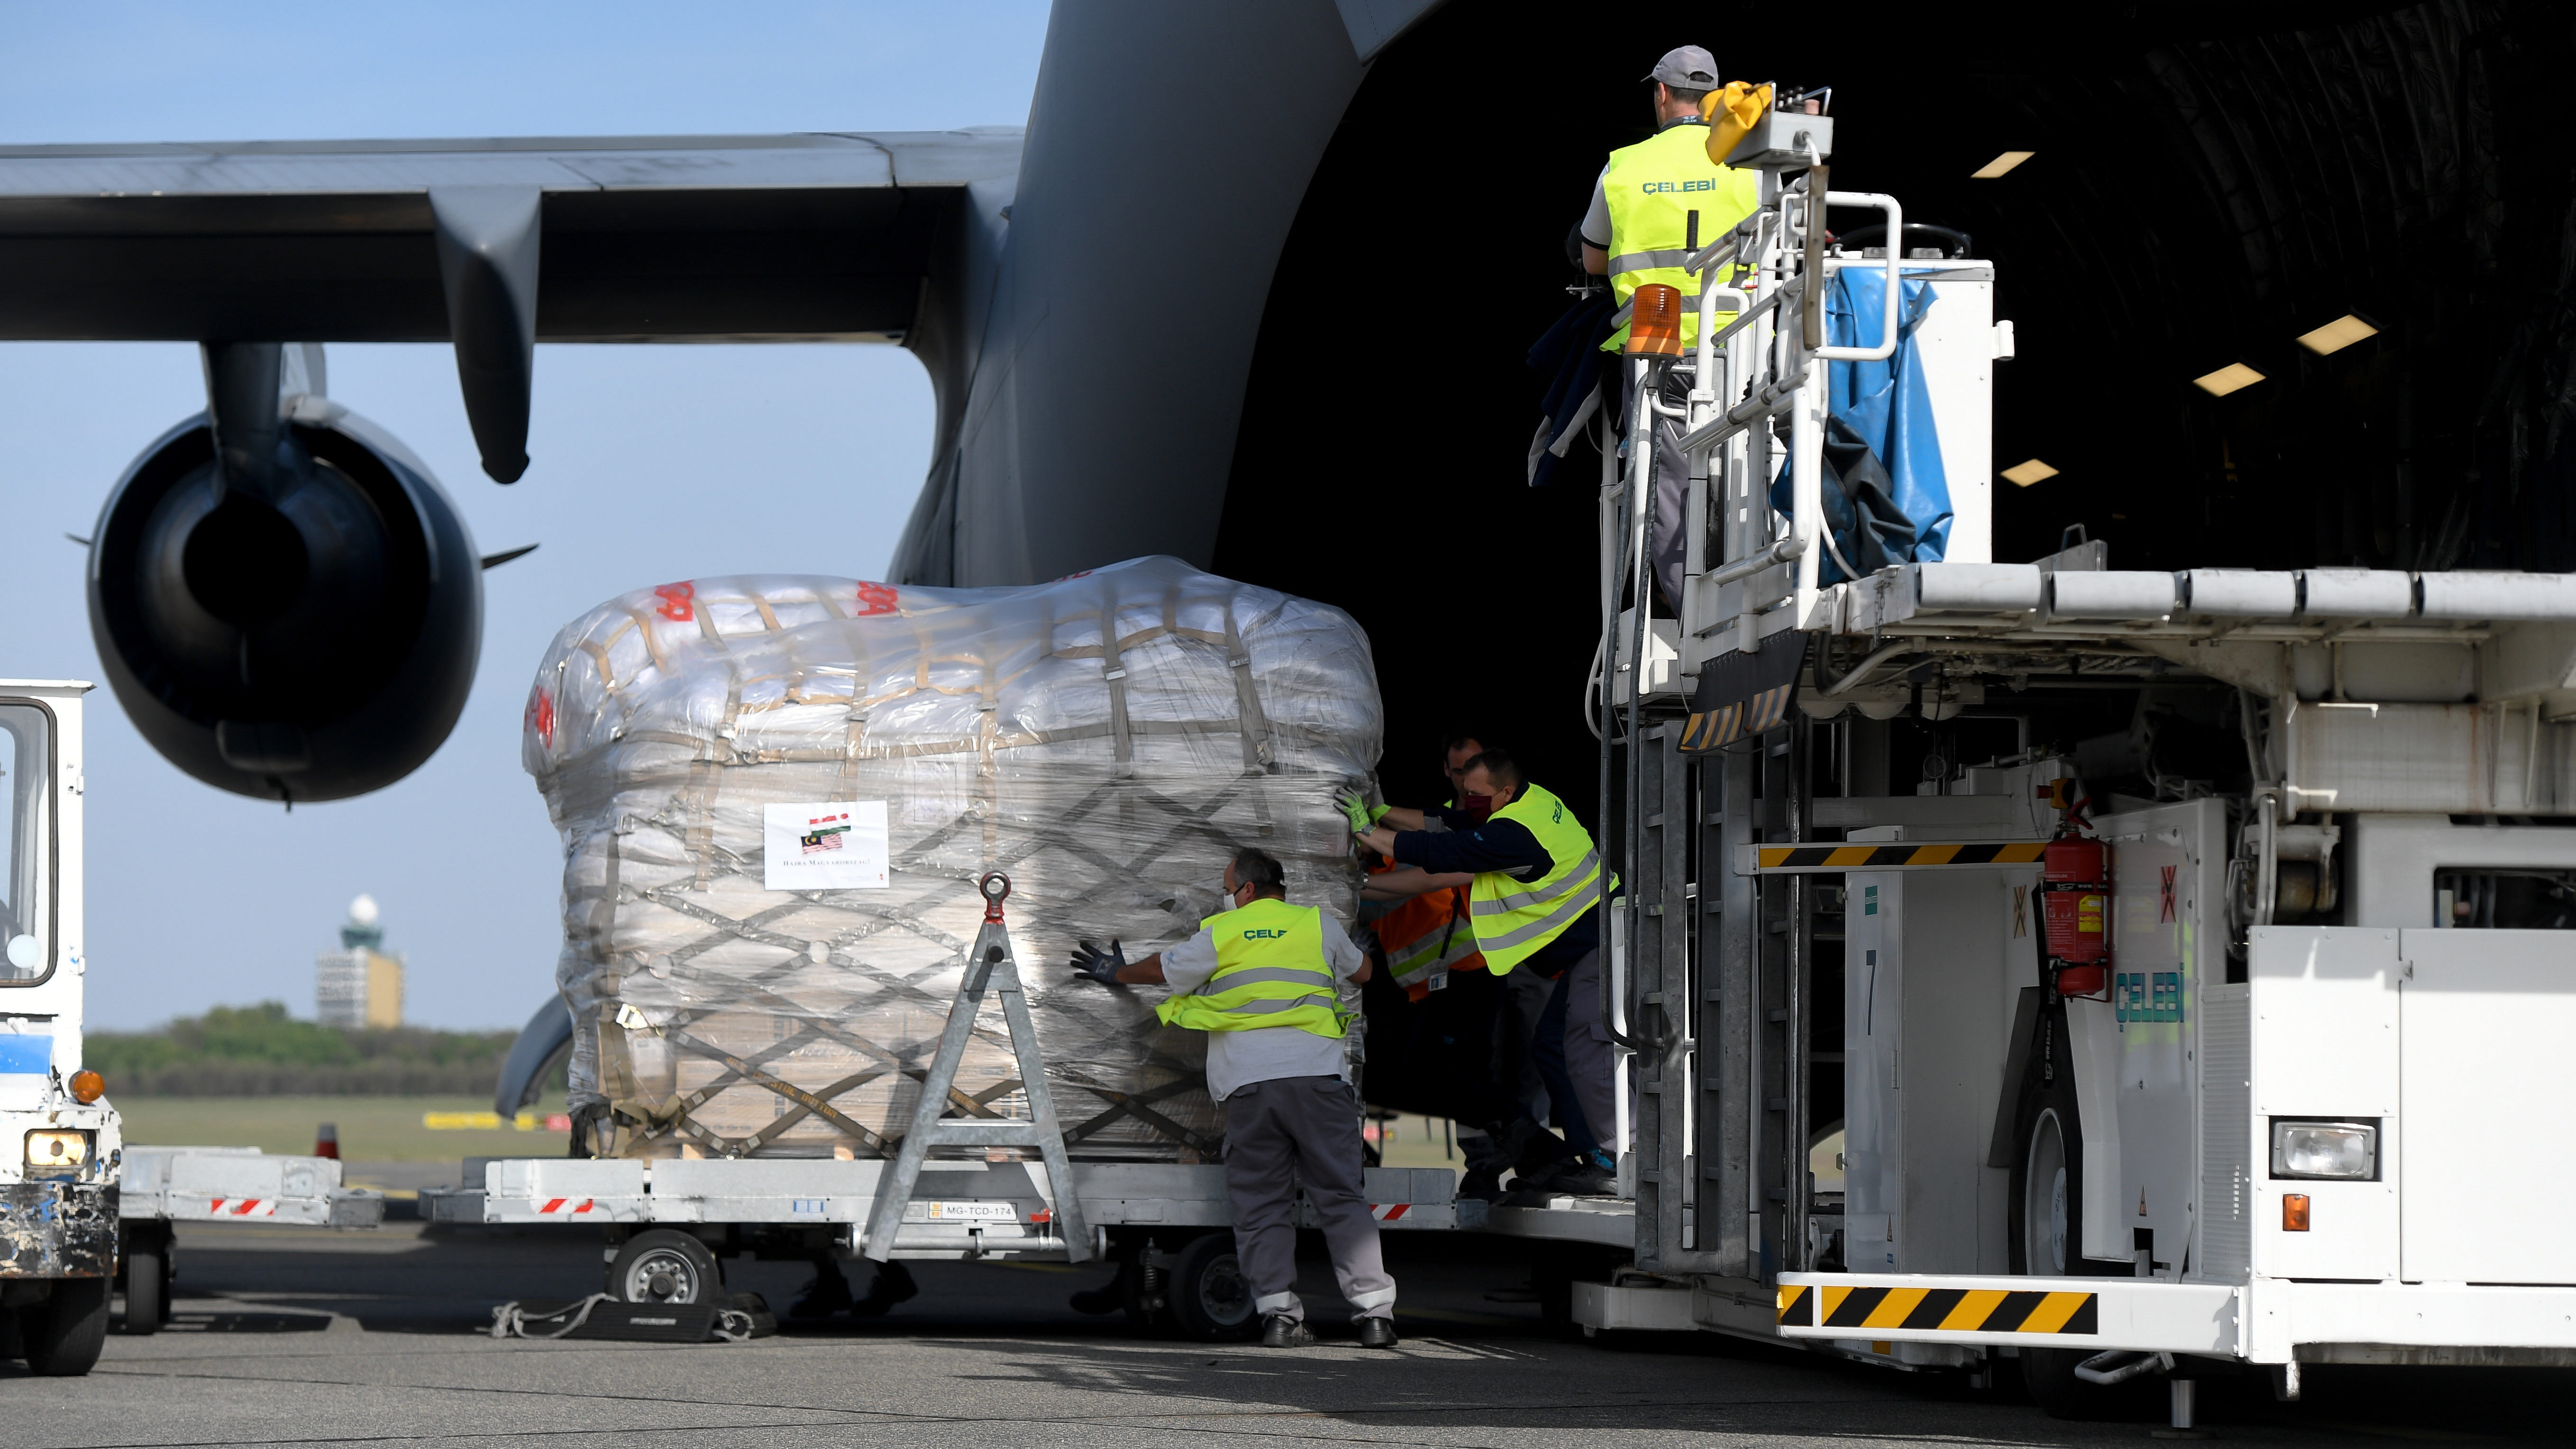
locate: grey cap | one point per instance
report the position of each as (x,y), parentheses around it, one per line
(1687,67)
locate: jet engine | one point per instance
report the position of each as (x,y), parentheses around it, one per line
(286,603)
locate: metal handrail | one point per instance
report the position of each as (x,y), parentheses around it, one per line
(1895,211)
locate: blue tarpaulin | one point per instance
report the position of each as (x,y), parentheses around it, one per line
(1886,497)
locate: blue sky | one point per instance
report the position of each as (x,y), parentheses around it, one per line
(651,464)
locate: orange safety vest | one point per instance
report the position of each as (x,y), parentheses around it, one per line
(1426,935)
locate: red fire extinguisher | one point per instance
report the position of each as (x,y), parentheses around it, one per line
(2075,905)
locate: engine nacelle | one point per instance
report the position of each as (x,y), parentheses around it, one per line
(312,639)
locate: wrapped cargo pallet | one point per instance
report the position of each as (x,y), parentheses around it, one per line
(776,794)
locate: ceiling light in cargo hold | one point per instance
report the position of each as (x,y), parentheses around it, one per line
(2000,165)
(2029,471)
(2337,335)
(2227,379)
(2346,1150)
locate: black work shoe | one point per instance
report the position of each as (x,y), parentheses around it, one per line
(892,1285)
(1579,1179)
(1376,1332)
(1281,1331)
(1096,1301)
(828,1294)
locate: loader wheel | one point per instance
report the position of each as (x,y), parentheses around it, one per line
(2048,1197)
(2047,1237)
(1208,1296)
(663,1266)
(2046,1234)
(63,1334)
(147,1290)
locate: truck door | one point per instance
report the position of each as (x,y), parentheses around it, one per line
(2487,1059)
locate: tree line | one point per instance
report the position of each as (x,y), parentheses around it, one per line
(260,1051)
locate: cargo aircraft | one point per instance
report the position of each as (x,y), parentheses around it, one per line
(1254,286)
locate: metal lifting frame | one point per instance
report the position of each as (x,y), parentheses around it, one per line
(990,966)
(1721,1054)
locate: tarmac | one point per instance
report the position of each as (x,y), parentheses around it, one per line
(293,1335)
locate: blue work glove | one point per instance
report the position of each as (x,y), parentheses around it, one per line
(1090,963)
(1356,809)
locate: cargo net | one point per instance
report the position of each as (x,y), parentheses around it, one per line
(776,795)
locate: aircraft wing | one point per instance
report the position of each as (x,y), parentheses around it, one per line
(493,244)
(641,238)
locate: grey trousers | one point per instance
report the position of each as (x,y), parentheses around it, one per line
(1589,1059)
(1282,1132)
(1527,1003)
(1667,543)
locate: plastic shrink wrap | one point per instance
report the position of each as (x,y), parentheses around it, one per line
(776,794)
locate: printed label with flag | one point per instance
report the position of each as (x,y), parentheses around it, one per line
(834,845)
(824,832)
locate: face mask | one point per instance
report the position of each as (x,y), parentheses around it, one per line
(1478,806)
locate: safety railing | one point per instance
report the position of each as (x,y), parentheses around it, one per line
(1751,573)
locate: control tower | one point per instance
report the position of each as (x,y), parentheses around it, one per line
(361,984)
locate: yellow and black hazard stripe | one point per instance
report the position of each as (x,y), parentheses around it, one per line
(1793,859)
(1717,728)
(1948,1310)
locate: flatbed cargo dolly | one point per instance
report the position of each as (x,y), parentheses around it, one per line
(1161,1222)
(1146,1214)
(165,1186)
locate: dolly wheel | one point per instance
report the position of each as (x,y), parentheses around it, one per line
(663,1266)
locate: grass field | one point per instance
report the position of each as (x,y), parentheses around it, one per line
(372,1129)
(1411,1141)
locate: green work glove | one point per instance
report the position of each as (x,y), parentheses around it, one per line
(1362,815)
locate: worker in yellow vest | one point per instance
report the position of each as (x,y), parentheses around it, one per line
(1535,902)
(1636,231)
(1469,1048)
(1263,980)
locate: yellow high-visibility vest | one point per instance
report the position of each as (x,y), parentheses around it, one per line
(1515,918)
(1652,187)
(1270,971)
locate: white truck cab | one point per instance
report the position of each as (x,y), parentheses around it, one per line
(60,1141)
